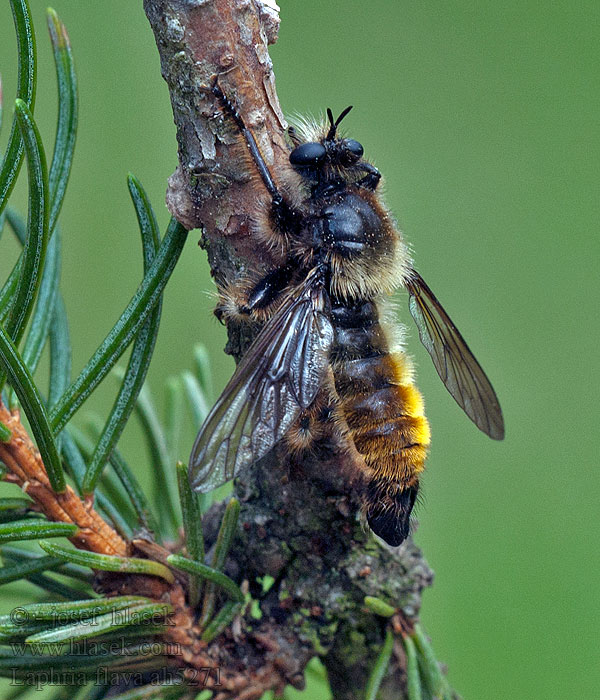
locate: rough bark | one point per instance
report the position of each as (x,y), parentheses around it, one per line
(298,521)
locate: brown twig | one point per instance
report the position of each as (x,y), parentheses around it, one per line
(27,470)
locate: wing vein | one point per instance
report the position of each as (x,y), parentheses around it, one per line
(462,375)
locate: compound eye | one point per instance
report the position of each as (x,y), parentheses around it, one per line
(308,154)
(354,149)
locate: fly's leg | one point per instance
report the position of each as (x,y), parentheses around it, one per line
(285,217)
(313,425)
(266,291)
(249,300)
(371,179)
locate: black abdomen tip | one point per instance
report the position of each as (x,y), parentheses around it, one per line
(388,511)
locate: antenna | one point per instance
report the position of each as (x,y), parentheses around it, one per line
(334,124)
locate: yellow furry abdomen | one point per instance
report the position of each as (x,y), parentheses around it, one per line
(384,413)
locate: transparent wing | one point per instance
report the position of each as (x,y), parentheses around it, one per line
(459,370)
(278,377)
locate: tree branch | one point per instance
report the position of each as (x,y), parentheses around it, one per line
(298,519)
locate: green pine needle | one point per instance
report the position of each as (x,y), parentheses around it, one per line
(44,307)
(19,228)
(143,346)
(16,662)
(34,529)
(222,545)
(413,679)
(21,555)
(14,502)
(196,398)
(57,588)
(75,610)
(430,668)
(26,84)
(125,329)
(28,394)
(43,312)
(60,353)
(203,369)
(165,496)
(192,527)
(66,128)
(132,615)
(107,562)
(16,572)
(174,416)
(206,572)
(380,667)
(221,621)
(34,250)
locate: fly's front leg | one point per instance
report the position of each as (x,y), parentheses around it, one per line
(285,217)
(371,179)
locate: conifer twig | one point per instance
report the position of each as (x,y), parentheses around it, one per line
(26,469)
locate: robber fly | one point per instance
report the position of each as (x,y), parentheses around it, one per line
(328,351)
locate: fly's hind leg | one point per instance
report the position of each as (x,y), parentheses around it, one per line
(313,424)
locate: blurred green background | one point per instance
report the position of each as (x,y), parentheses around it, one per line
(483,118)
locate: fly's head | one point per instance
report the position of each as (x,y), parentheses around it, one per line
(329,159)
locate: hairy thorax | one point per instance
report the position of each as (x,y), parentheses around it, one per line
(353,232)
